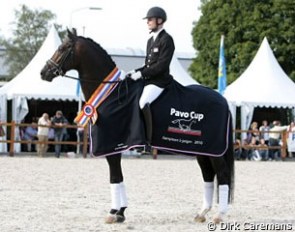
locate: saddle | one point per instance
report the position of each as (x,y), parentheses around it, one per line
(191,120)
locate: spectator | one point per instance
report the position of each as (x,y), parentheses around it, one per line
(264,150)
(2,131)
(291,139)
(238,149)
(264,129)
(58,121)
(29,135)
(43,131)
(253,136)
(274,139)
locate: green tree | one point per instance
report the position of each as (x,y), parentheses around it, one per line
(30,29)
(244,25)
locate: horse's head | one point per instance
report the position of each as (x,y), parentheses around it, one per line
(62,59)
(83,55)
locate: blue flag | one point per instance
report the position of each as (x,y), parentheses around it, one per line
(78,88)
(221,68)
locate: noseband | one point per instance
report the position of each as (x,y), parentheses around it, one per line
(57,67)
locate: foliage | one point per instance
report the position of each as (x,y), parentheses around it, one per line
(244,25)
(30,29)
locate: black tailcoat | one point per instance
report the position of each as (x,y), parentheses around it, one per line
(159,54)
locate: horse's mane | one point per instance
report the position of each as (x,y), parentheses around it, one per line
(99,49)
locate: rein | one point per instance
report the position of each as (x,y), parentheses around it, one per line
(90,81)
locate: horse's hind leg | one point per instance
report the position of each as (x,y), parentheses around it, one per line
(118,192)
(208,177)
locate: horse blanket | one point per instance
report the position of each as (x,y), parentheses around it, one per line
(192,120)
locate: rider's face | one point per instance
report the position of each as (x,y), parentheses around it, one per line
(151,22)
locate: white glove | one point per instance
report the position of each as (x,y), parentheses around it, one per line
(128,74)
(135,76)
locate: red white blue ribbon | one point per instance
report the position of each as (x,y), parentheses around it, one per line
(100,94)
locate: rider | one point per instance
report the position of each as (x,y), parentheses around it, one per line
(155,72)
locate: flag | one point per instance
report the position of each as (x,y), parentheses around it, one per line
(221,68)
(78,88)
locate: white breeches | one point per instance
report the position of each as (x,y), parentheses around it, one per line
(149,94)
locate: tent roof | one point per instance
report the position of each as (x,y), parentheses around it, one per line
(28,82)
(263,83)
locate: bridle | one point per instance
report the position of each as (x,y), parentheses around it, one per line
(57,67)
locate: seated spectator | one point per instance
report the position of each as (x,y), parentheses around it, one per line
(255,135)
(238,149)
(263,150)
(30,134)
(251,141)
(264,129)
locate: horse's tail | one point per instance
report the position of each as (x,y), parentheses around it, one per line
(230,161)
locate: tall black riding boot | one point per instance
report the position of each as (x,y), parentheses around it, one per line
(147,115)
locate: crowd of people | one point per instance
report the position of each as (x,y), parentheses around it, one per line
(45,129)
(264,142)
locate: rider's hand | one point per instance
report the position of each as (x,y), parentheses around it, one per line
(128,74)
(135,76)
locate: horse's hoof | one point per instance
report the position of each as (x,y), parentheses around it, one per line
(114,218)
(110,219)
(218,219)
(200,218)
(120,218)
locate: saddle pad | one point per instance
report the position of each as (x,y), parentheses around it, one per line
(192,120)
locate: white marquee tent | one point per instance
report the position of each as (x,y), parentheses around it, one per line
(29,85)
(263,84)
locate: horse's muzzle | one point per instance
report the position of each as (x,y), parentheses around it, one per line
(46,73)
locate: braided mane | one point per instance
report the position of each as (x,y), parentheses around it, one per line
(99,49)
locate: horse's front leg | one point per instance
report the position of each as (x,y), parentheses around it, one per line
(118,192)
(223,179)
(208,178)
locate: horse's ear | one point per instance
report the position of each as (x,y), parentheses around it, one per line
(71,34)
(74,31)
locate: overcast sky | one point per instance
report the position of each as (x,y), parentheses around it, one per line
(119,24)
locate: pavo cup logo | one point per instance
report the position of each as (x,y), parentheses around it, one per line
(183,124)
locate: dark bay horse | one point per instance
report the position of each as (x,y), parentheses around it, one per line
(207,135)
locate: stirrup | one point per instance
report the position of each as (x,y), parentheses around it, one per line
(147,150)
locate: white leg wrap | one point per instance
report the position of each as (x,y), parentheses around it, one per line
(115,196)
(123,195)
(223,199)
(208,195)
